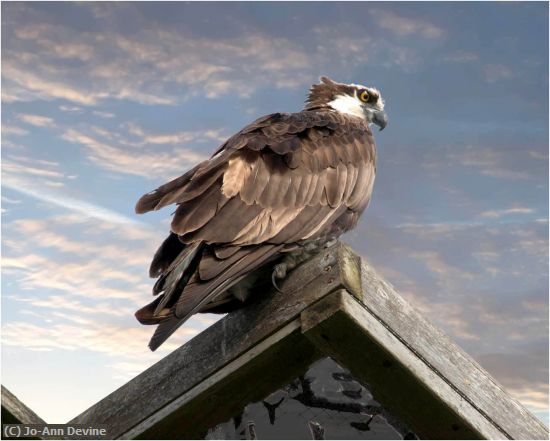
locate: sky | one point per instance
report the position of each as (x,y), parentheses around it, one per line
(102,102)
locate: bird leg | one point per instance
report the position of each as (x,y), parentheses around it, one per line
(279,272)
(330,243)
(291,261)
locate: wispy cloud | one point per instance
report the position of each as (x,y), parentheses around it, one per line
(101,337)
(62,270)
(70,109)
(103,114)
(175,138)
(116,156)
(532,387)
(36,120)
(82,293)
(435,262)
(405,26)
(108,63)
(8,129)
(7,200)
(497,72)
(37,86)
(490,162)
(21,176)
(175,65)
(508,211)
(461,57)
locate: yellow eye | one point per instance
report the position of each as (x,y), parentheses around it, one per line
(364,96)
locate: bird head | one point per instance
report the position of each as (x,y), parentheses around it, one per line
(354,99)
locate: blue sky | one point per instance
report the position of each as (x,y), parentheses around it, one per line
(101,102)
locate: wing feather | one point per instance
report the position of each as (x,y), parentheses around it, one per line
(150,201)
(198,295)
(281,180)
(351,180)
(303,188)
(194,214)
(318,195)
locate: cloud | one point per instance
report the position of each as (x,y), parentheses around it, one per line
(102,114)
(175,138)
(80,285)
(30,177)
(12,145)
(36,120)
(21,165)
(108,62)
(447,273)
(7,200)
(74,306)
(538,155)
(37,272)
(504,212)
(102,337)
(491,162)
(531,387)
(497,72)
(8,129)
(46,61)
(49,40)
(485,284)
(37,87)
(406,26)
(70,109)
(461,57)
(355,48)
(106,269)
(147,163)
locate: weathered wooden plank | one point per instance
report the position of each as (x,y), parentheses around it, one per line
(448,358)
(211,350)
(208,379)
(429,344)
(398,379)
(15,411)
(255,374)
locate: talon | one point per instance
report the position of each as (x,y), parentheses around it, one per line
(280,270)
(274,283)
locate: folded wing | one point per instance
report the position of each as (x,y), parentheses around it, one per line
(285,178)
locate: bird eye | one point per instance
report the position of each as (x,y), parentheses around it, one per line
(364,96)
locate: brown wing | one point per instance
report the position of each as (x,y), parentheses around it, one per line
(199,292)
(283,179)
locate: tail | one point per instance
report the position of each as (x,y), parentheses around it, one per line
(196,280)
(174,263)
(212,278)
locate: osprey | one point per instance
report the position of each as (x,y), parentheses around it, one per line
(280,189)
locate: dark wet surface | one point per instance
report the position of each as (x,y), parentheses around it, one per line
(325,403)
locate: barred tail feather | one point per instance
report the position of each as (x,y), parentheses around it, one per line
(197,295)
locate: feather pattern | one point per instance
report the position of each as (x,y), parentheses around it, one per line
(198,295)
(281,181)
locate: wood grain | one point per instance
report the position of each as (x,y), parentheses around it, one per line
(15,411)
(215,347)
(336,305)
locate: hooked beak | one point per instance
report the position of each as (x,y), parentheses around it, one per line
(380,119)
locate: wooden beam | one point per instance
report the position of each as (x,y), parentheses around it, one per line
(15,411)
(376,334)
(396,378)
(225,341)
(269,365)
(334,305)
